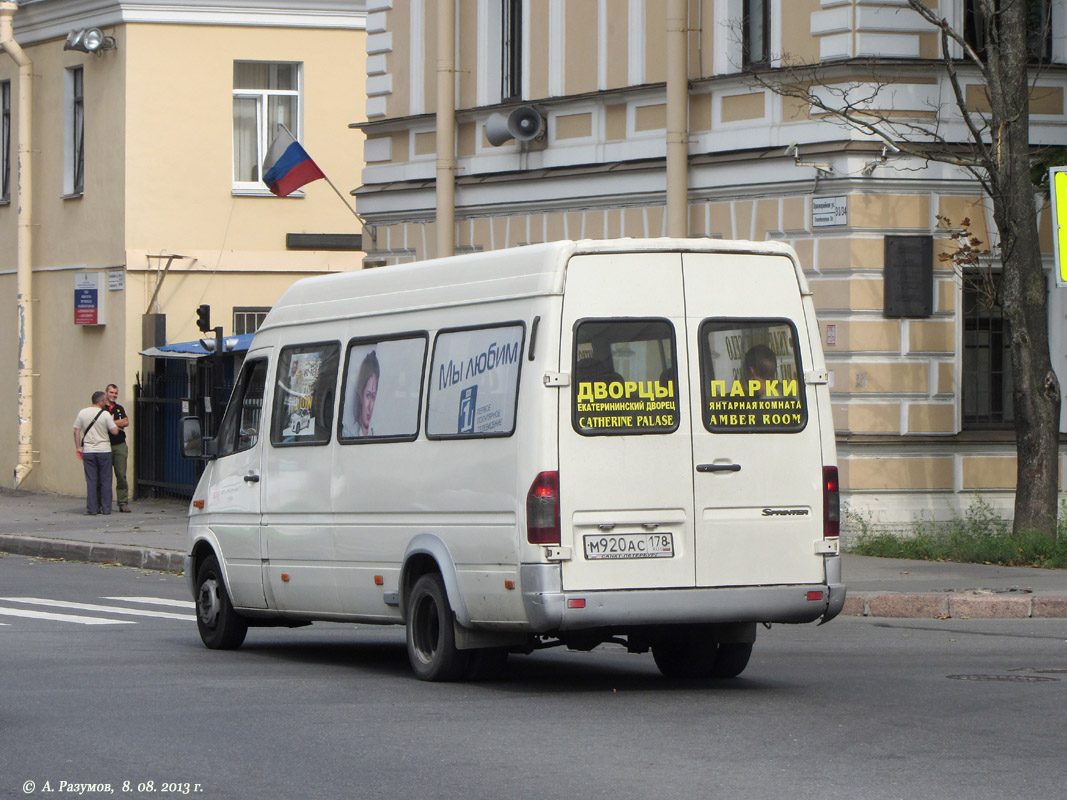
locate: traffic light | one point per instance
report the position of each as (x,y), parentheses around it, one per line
(203,317)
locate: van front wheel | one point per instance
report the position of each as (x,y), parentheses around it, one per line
(221,628)
(431,638)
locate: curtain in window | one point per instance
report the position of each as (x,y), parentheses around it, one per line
(78,171)
(245,139)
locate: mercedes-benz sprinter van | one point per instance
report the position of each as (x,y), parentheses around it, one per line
(568,443)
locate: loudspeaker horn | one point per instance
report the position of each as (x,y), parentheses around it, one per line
(522,123)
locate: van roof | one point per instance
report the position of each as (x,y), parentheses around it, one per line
(528,271)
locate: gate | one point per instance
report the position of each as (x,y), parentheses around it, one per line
(178,387)
(159,467)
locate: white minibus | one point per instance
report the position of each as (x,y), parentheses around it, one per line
(571,443)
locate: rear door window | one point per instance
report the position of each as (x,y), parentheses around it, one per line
(625,377)
(752,380)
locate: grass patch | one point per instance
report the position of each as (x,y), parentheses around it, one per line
(978,537)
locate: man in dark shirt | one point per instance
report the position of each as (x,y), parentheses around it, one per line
(119,448)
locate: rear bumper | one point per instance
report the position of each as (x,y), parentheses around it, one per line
(548,610)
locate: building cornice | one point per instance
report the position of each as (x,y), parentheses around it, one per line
(41,20)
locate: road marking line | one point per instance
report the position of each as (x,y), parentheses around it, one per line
(25,612)
(135,612)
(157,601)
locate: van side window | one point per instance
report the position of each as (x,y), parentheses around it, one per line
(752,380)
(474,382)
(240,424)
(304,394)
(382,389)
(625,380)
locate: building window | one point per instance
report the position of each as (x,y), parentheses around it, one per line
(74,146)
(248,320)
(511,50)
(266,94)
(978,28)
(5,141)
(987,381)
(756,34)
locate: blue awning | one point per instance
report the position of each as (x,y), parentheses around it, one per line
(230,344)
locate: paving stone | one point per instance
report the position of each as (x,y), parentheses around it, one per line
(920,606)
(989,606)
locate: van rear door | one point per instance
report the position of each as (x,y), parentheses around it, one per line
(625,443)
(756,439)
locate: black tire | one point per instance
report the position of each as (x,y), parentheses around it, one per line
(685,656)
(431,637)
(731,659)
(221,628)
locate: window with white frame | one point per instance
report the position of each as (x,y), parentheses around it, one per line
(756,34)
(266,94)
(74,144)
(248,319)
(5,141)
(511,50)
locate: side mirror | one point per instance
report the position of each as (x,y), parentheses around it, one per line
(192,438)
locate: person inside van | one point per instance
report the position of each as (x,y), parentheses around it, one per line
(366,393)
(758,367)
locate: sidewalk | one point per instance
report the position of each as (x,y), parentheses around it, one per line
(152,536)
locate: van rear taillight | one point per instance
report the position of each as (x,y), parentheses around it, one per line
(542,509)
(831,503)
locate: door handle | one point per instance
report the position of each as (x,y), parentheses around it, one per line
(718,467)
(251,477)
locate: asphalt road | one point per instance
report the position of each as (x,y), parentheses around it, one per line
(859,708)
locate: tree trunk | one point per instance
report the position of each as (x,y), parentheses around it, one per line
(1023,285)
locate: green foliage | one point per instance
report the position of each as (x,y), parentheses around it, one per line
(980,536)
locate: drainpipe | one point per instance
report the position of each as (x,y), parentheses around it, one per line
(446,128)
(24,283)
(677,120)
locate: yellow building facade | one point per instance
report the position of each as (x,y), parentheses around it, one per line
(143,179)
(922,402)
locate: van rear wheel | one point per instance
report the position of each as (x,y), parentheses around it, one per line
(683,657)
(731,659)
(431,637)
(221,628)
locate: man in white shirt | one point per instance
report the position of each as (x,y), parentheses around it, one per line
(93,446)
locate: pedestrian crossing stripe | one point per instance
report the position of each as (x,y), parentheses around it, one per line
(155,601)
(132,612)
(30,614)
(58,616)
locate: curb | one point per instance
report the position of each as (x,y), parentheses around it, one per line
(900,605)
(957,605)
(127,556)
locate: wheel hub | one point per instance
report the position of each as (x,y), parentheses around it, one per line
(208,605)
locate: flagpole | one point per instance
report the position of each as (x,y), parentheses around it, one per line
(370,228)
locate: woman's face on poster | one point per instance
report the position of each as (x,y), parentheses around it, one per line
(367,397)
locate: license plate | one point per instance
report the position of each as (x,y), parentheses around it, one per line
(629,545)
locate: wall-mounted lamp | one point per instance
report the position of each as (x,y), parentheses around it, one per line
(89,40)
(821,168)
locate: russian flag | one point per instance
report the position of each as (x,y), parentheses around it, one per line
(287,166)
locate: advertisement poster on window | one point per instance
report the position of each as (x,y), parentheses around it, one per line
(303,374)
(474,382)
(382,389)
(753,380)
(624,383)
